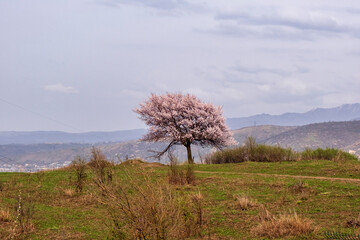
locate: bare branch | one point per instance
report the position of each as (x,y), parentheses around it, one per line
(158,155)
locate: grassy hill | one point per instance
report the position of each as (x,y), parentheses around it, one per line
(229,201)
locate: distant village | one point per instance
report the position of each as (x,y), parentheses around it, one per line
(32,167)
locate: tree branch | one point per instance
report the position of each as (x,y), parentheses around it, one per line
(159,154)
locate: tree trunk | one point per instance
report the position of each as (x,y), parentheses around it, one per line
(189,155)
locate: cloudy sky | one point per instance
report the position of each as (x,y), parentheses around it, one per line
(84,65)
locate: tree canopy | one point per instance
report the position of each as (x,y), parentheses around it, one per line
(184,120)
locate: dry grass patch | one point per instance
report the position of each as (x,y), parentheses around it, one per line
(5,215)
(244,202)
(69,192)
(284,225)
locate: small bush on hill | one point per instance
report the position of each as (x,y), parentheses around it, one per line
(252,152)
(326,154)
(100,166)
(234,155)
(79,167)
(265,153)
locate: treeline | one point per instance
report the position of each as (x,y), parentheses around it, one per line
(251,151)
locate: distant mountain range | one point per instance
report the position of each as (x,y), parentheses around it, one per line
(342,135)
(38,137)
(347,112)
(49,148)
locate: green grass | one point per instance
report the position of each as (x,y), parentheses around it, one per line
(329,204)
(346,169)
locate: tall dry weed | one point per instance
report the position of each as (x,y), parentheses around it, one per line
(101,167)
(177,175)
(146,208)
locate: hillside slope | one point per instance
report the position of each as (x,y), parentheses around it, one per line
(330,134)
(260,133)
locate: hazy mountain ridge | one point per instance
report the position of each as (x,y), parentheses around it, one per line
(38,137)
(330,134)
(346,112)
(58,147)
(343,135)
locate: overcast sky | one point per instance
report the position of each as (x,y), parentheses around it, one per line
(84,65)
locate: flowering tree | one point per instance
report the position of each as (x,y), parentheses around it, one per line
(184,120)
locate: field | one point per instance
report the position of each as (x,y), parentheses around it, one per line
(232,200)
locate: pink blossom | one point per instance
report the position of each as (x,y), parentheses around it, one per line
(184,119)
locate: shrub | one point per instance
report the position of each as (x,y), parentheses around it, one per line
(234,155)
(177,175)
(79,167)
(100,166)
(256,153)
(326,154)
(266,153)
(145,208)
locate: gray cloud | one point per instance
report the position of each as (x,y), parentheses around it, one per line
(257,59)
(275,71)
(158,4)
(355,11)
(322,23)
(298,24)
(256,70)
(59,87)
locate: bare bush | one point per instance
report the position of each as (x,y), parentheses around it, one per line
(145,208)
(177,175)
(79,166)
(100,166)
